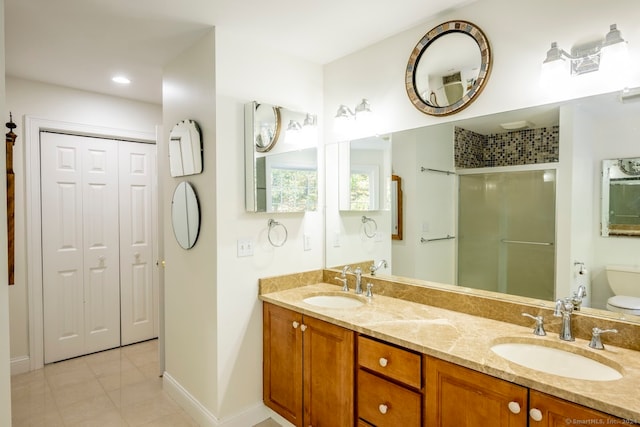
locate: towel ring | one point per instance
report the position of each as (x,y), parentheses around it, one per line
(370,226)
(273,224)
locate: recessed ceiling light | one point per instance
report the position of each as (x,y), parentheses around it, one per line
(121,80)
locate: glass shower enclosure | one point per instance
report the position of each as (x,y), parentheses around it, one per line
(506,229)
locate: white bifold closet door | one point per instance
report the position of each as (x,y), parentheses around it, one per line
(96,243)
(138,300)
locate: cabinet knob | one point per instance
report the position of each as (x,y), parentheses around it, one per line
(383,362)
(535,414)
(514,407)
(303,328)
(383,408)
(295,324)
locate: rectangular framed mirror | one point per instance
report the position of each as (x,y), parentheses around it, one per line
(621,197)
(281,159)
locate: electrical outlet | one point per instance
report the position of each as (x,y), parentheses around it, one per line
(245,247)
(306,242)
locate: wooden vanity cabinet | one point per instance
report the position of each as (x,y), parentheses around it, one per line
(461,397)
(389,387)
(308,369)
(555,412)
(458,396)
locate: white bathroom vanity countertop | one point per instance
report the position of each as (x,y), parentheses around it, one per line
(466,340)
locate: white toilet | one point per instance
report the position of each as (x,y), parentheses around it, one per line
(625,284)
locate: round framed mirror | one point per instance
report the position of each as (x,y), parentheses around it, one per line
(185,215)
(448,68)
(267,122)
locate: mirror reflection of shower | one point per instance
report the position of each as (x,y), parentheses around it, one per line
(506,228)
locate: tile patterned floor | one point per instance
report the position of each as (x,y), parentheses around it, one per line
(119,387)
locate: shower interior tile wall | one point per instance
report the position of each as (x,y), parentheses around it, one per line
(523,147)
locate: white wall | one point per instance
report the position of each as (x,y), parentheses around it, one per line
(64,105)
(429,212)
(213,316)
(247,71)
(190,296)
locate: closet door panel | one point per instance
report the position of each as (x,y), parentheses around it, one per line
(62,245)
(137,174)
(101,244)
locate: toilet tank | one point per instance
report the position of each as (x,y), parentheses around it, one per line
(624,280)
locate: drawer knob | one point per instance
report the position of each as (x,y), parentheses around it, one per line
(295,324)
(514,407)
(303,328)
(383,408)
(535,414)
(383,362)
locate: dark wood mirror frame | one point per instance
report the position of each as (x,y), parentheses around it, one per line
(396,226)
(10,141)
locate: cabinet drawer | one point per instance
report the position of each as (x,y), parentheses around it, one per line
(385,404)
(393,362)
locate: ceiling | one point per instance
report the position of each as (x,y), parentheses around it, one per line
(83,43)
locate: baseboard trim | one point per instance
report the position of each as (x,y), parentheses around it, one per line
(20,365)
(203,416)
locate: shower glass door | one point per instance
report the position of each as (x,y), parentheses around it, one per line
(506,229)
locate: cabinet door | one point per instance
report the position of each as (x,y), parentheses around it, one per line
(282,362)
(328,375)
(554,412)
(461,397)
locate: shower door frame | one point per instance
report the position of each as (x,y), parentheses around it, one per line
(506,169)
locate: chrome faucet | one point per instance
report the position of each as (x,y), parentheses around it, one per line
(578,295)
(564,308)
(343,278)
(374,267)
(358,273)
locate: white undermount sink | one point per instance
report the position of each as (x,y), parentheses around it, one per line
(556,361)
(334,301)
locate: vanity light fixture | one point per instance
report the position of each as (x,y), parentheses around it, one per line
(294,126)
(345,115)
(609,54)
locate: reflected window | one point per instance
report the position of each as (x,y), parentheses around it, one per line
(293,189)
(363,188)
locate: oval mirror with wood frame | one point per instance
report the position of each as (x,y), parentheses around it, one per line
(448,68)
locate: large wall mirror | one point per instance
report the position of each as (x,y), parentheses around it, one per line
(185,149)
(448,68)
(621,197)
(587,131)
(281,159)
(364,174)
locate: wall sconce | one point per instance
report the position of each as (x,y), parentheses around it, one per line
(345,116)
(299,133)
(609,55)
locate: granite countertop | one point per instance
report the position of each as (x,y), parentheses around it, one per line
(466,340)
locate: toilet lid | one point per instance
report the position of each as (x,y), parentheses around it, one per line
(621,301)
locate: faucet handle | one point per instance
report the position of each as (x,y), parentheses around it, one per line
(343,280)
(539,329)
(369,294)
(596,342)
